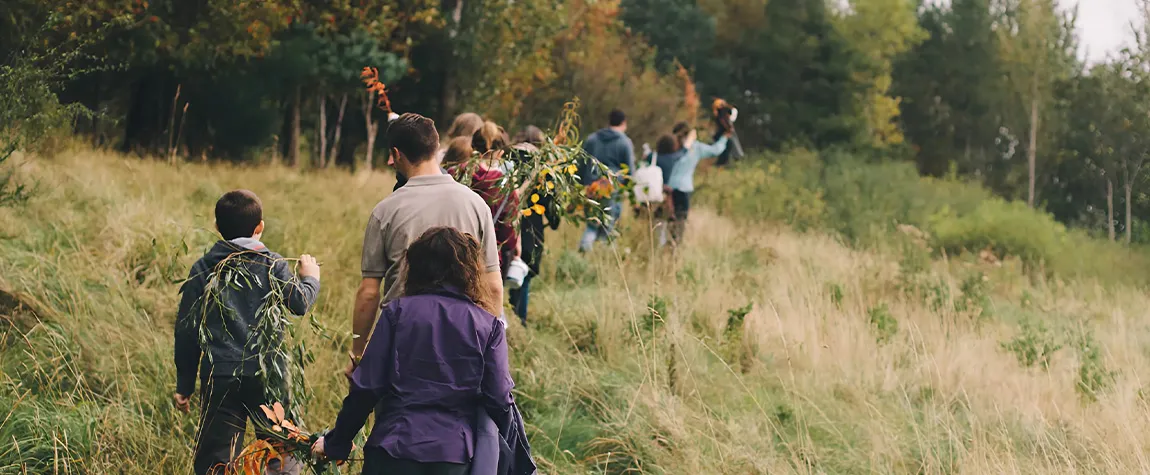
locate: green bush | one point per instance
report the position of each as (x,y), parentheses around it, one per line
(780,188)
(885,325)
(1033,345)
(864,202)
(1006,228)
(1094,376)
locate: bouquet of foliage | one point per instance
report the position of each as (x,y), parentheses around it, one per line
(282,355)
(281,445)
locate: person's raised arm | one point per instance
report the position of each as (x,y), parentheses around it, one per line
(712,150)
(301,293)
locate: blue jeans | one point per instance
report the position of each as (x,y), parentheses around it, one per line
(595,232)
(520,296)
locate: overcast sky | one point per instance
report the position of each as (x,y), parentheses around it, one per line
(1104,26)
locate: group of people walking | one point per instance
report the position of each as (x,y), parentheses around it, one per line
(677,155)
(429,352)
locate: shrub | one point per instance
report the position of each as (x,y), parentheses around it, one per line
(975,298)
(867,200)
(1093,375)
(11,192)
(771,188)
(884,324)
(1006,228)
(1032,345)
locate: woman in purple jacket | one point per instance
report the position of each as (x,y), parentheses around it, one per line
(434,359)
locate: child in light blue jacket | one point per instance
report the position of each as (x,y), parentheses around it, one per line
(682,180)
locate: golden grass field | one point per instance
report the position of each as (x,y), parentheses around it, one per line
(848,360)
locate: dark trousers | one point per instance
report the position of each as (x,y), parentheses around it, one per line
(682,204)
(378,462)
(520,297)
(226,405)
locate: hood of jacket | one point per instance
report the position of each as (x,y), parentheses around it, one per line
(609,135)
(222,249)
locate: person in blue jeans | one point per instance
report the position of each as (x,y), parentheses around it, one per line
(612,148)
(682,180)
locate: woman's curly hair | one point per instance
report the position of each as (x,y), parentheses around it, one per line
(445,257)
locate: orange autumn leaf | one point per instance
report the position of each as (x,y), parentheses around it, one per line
(279,408)
(268,412)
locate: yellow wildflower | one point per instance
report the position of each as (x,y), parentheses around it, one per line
(572,169)
(539,209)
(550,186)
(535,198)
(527,212)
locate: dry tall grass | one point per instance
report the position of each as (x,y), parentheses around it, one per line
(849,361)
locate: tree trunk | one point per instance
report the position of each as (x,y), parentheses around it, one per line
(1110,208)
(321,157)
(338,128)
(449,95)
(372,129)
(1129,191)
(293,140)
(1032,152)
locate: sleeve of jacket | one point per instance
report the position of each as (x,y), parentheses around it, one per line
(187,341)
(630,157)
(497,383)
(712,150)
(368,384)
(300,293)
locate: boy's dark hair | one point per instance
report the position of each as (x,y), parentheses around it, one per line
(616,118)
(441,257)
(414,136)
(667,144)
(238,214)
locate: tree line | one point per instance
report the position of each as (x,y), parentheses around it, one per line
(994,91)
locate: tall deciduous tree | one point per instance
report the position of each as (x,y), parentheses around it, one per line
(1039,50)
(880,30)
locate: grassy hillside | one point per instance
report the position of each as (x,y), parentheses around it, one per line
(757,349)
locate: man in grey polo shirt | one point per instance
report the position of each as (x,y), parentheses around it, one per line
(428,199)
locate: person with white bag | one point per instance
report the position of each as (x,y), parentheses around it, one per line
(682,180)
(667,152)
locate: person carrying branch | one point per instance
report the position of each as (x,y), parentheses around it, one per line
(220,327)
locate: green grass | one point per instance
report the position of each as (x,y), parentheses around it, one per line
(799,382)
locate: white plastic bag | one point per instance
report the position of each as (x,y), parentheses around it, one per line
(649,183)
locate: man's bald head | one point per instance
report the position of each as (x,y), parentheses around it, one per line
(239,214)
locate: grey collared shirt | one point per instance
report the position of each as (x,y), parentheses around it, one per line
(424,202)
